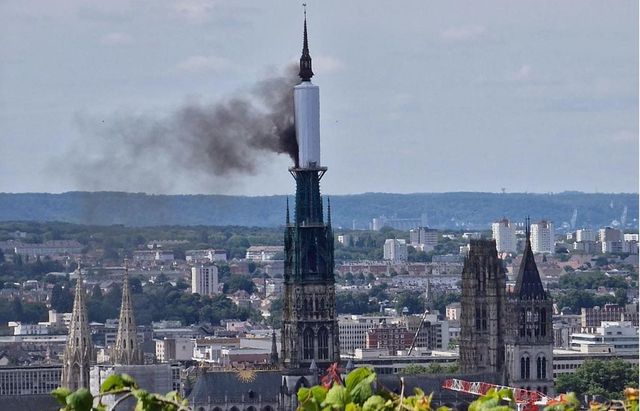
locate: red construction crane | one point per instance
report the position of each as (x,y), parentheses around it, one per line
(525,399)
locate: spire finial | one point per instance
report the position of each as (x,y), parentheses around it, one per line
(527,228)
(305,60)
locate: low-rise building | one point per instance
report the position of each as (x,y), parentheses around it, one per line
(619,337)
(263,252)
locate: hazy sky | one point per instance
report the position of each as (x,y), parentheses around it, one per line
(416,96)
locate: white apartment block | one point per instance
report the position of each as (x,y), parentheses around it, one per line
(631,237)
(174,349)
(504,232)
(585,235)
(395,250)
(352,330)
(542,237)
(610,234)
(204,280)
(425,237)
(619,337)
(209,255)
(260,253)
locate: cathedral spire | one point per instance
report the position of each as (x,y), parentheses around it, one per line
(528,282)
(78,353)
(127,350)
(305,60)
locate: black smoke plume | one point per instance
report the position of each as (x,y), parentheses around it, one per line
(229,138)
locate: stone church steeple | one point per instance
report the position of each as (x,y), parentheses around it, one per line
(529,342)
(78,353)
(310,327)
(127,350)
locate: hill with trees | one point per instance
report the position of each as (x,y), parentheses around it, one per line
(461,210)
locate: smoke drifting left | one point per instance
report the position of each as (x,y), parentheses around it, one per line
(197,141)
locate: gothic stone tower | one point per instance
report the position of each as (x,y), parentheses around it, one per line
(78,353)
(310,328)
(482,326)
(127,350)
(529,341)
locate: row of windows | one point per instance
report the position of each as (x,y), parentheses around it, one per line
(525,368)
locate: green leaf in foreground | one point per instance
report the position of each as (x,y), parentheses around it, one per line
(81,400)
(61,394)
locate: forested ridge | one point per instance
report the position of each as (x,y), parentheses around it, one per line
(461,210)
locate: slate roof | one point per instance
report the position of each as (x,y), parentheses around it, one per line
(211,386)
(528,283)
(29,403)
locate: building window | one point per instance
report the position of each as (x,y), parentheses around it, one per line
(484,318)
(323,344)
(307,344)
(525,368)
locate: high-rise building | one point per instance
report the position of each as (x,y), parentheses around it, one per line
(542,237)
(78,353)
(585,235)
(424,238)
(482,326)
(395,250)
(309,324)
(204,280)
(529,341)
(127,350)
(504,232)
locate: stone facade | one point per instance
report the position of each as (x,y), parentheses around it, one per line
(127,350)
(482,322)
(529,341)
(510,334)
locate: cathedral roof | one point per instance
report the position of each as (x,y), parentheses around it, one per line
(528,283)
(235,385)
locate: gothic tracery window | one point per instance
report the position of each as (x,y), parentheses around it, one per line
(323,344)
(525,367)
(307,344)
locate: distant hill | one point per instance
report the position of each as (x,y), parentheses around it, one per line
(463,210)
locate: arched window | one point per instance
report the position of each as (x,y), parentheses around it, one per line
(543,322)
(323,344)
(525,367)
(539,368)
(523,322)
(307,344)
(484,318)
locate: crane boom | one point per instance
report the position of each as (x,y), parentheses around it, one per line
(525,399)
